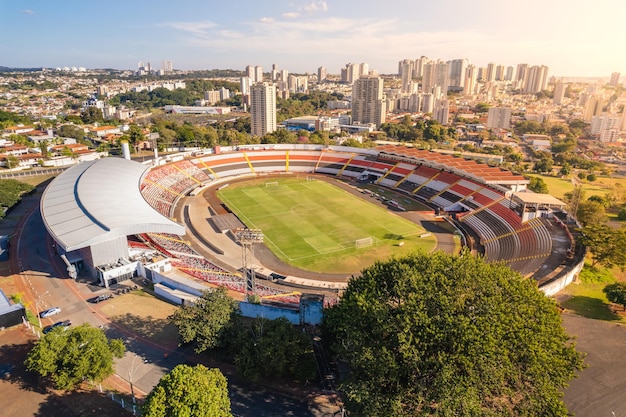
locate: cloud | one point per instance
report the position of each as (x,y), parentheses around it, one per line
(291,15)
(316,6)
(267,20)
(28,11)
(197,28)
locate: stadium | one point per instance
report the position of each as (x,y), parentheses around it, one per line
(114,219)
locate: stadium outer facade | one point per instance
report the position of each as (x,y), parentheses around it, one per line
(92,208)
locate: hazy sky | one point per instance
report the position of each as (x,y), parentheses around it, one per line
(572,37)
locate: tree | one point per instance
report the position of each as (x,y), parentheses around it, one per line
(607,245)
(591,177)
(68,356)
(591,212)
(71,131)
(91,115)
(616,293)
(273,349)
(622,214)
(12,161)
(191,392)
(545,162)
(538,185)
(450,335)
(566,169)
(205,320)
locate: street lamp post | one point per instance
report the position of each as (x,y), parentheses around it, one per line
(131,370)
(37,307)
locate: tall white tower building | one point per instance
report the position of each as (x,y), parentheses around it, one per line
(263,108)
(458,71)
(368,105)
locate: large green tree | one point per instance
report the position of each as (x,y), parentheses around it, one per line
(273,349)
(205,320)
(189,392)
(68,356)
(607,245)
(616,293)
(591,212)
(538,185)
(447,335)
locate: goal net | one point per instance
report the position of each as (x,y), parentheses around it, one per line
(364,243)
(271,184)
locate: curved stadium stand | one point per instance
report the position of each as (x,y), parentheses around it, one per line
(472,192)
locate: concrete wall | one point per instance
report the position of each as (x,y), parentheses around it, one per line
(269,312)
(557,284)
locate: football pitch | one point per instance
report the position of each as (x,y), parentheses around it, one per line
(316,226)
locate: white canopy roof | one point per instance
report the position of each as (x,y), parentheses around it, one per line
(100,200)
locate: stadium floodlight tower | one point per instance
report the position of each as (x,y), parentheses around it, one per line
(248,237)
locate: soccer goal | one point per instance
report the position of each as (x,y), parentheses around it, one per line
(364,243)
(271,184)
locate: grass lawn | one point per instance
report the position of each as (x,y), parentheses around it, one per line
(588,300)
(558,186)
(314,225)
(35,180)
(586,297)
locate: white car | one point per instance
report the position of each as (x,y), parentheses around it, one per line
(50,312)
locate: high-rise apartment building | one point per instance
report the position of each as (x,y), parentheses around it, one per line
(603,122)
(212,96)
(436,74)
(499,118)
(428,103)
(263,108)
(167,66)
(406,75)
(458,71)
(509,73)
(258,74)
(471,75)
(614,79)
(559,93)
(224,93)
(321,74)
(520,74)
(500,72)
(351,72)
(536,79)
(593,107)
(491,72)
(250,72)
(441,112)
(368,105)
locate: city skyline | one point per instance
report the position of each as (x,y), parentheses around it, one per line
(572,40)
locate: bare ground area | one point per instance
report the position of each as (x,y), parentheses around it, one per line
(144,315)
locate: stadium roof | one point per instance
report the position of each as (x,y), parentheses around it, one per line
(99,201)
(536,198)
(483,172)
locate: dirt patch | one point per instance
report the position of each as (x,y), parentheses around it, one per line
(143,314)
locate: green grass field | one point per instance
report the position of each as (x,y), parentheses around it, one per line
(314,225)
(559,186)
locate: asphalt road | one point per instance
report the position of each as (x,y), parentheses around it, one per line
(44,280)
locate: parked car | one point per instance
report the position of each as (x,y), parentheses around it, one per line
(99,298)
(50,312)
(65,324)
